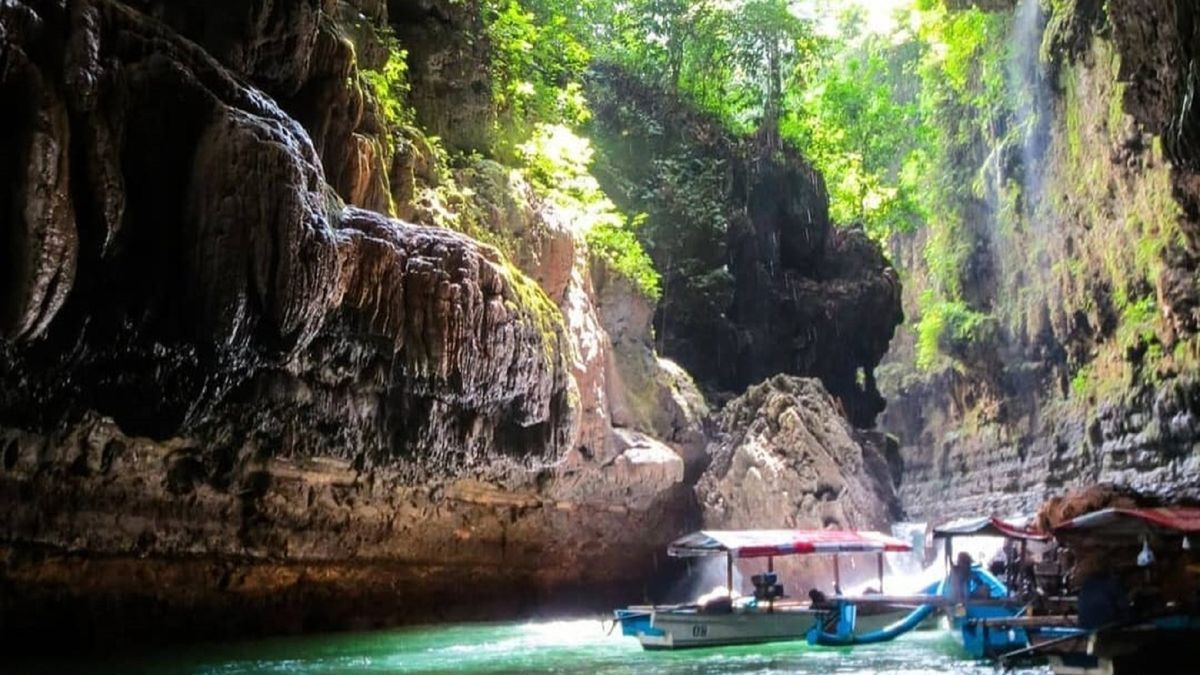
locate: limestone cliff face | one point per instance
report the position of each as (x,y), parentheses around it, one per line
(230,386)
(199,258)
(1091,374)
(269,362)
(785,458)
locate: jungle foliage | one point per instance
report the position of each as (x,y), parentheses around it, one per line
(885,117)
(909,126)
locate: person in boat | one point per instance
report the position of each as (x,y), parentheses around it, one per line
(1003,562)
(998,565)
(960,576)
(1025,577)
(818,600)
(722,604)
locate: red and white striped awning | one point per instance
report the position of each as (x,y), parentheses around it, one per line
(1176,520)
(990,526)
(767,543)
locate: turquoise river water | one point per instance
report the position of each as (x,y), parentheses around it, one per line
(582,646)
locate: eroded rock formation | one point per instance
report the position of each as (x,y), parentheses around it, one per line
(1091,374)
(224,391)
(237,395)
(209,258)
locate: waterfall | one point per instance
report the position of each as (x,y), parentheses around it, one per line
(1031,92)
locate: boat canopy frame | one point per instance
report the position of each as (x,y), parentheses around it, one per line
(1169,521)
(775,543)
(989,526)
(769,544)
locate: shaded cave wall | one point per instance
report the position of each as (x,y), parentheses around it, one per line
(231,384)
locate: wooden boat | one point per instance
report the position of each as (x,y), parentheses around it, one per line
(768,615)
(1109,635)
(981,598)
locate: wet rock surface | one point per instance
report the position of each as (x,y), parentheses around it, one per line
(225,392)
(111,539)
(228,267)
(785,457)
(1146,443)
(237,398)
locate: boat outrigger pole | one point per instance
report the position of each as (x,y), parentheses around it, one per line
(879,558)
(729,574)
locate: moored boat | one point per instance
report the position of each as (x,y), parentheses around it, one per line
(1138,607)
(769,615)
(983,600)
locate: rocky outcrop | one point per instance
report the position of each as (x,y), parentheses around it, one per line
(1145,441)
(756,280)
(646,392)
(237,396)
(784,457)
(224,392)
(234,223)
(160,540)
(1090,375)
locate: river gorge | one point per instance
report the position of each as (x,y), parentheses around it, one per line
(328,315)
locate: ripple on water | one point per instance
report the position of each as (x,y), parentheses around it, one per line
(565,647)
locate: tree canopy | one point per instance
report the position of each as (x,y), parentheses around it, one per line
(894,120)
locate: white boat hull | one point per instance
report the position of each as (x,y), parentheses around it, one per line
(681,630)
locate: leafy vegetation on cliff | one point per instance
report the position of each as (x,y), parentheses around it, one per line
(931,130)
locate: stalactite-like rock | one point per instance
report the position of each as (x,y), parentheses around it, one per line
(250,256)
(224,393)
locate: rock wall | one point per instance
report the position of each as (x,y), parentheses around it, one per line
(270,362)
(230,387)
(1091,374)
(784,457)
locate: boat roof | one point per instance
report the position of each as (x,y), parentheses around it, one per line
(1163,520)
(767,543)
(990,526)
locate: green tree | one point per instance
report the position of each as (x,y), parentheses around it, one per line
(539,55)
(769,44)
(859,120)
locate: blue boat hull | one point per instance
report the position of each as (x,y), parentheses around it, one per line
(980,641)
(633,620)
